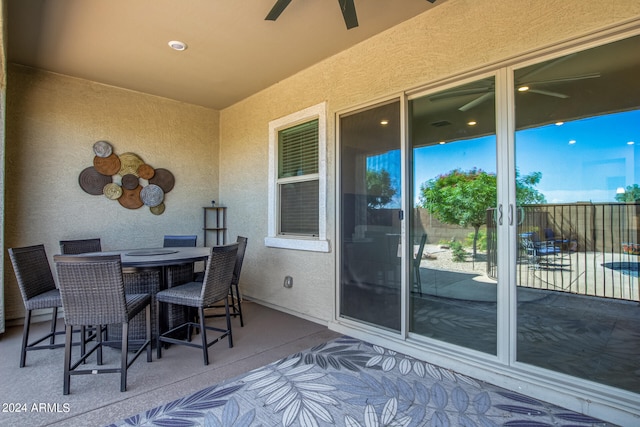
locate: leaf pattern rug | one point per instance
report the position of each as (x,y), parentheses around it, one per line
(348,382)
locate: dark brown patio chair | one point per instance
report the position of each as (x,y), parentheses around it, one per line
(199,295)
(38,290)
(92,291)
(80,246)
(234,290)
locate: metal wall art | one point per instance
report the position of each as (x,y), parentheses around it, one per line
(126,178)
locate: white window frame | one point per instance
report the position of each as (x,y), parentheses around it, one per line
(303,243)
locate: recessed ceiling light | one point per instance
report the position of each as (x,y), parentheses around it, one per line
(177,45)
(472,123)
(441,142)
(384,122)
(630,143)
(559,123)
(573,141)
(523,88)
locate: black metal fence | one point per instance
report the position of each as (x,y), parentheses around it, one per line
(596,248)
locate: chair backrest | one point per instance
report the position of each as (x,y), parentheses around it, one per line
(549,234)
(418,258)
(32,270)
(180,241)
(81,246)
(242,247)
(218,273)
(92,289)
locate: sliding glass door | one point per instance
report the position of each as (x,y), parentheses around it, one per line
(371,215)
(518,234)
(454,282)
(577,135)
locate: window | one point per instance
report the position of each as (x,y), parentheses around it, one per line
(297,181)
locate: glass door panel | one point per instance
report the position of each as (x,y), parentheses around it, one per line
(370,174)
(454,273)
(577,137)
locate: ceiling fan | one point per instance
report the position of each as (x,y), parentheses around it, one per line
(347,7)
(525,83)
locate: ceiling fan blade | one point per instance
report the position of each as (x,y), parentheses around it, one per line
(478,100)
(348,10)
(546,66)
(563,79)
(461,92)
(549,93)
(277,9)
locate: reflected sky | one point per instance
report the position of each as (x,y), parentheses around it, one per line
(582,160)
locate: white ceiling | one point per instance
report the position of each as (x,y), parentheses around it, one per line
(233,52)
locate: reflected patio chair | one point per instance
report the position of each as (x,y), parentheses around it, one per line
(417,280)
(80,246)
(199,295)
(38,290)
(92,291)
(179,241)
(236,299)
(536,250)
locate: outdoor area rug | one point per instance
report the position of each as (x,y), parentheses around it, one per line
(348,382)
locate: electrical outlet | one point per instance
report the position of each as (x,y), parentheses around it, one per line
(288,282)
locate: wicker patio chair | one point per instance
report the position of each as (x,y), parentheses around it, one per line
(235,298)
(38,290)
(92,291)
(199,295)
(179,241)
(81,246)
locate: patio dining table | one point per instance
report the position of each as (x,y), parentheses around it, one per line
(150,270)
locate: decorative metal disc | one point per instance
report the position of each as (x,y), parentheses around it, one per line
(129,163)
(145,171)
(112,191)
(163,179)
(130,181)
(92,181)
(152,195)
(157,210)
(130,199)
(109,165)
(102,149)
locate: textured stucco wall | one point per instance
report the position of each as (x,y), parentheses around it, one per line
(455,37)
(52,124)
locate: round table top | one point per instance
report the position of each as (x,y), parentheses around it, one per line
(155,257)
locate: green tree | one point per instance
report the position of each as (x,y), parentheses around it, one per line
(380,191)
(463,197)
(631,194)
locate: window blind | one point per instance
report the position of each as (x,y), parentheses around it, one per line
(299,208)
(298,150)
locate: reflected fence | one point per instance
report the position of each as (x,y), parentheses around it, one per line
(589,249)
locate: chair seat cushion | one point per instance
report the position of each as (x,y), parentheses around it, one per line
(48,299)
(189,294)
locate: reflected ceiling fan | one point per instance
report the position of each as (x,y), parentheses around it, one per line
(525,83)
(347,7)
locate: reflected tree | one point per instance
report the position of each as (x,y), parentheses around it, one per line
(631,194)
(463,197)
(380,190)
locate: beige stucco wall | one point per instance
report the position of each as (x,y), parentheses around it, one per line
(455,37)
(52,124)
